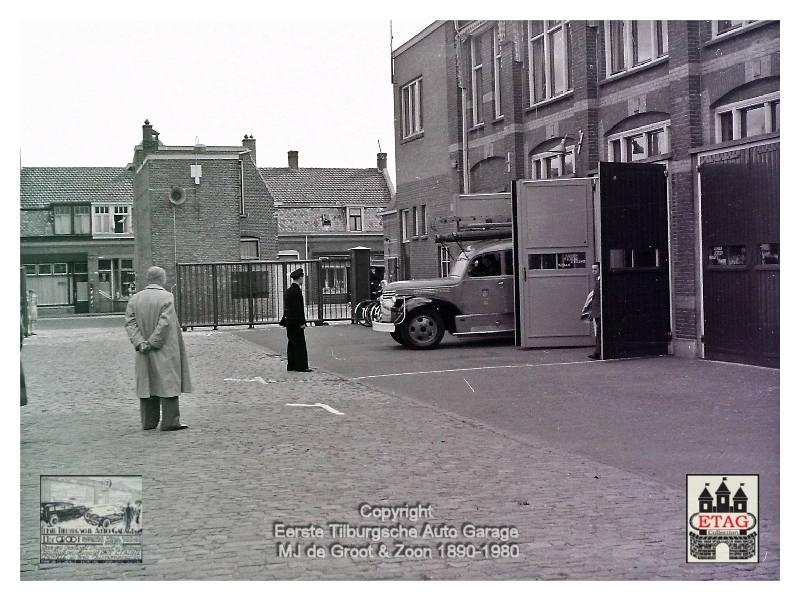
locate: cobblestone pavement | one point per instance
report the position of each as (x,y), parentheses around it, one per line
(212,493)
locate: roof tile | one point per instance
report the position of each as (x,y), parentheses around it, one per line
(39,187)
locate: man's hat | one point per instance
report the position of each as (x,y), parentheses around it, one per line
(297,274)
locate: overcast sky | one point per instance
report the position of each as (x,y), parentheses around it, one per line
(322,88)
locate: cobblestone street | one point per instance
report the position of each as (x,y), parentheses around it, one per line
(257,454)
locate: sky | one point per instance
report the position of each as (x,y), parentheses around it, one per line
(322,88)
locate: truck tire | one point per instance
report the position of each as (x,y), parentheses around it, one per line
(397,337)
(422,330)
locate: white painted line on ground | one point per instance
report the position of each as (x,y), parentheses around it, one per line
(337,358)
(470,387)
(255,379)
(321,405)
(579,362)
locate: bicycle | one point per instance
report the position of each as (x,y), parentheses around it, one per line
(366,312)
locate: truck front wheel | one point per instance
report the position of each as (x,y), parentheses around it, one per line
(397,337)
(422,330)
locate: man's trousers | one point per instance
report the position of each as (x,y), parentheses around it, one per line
(296,353)
(150,408)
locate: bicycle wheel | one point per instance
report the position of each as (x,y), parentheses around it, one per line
(360,313)
(373,312)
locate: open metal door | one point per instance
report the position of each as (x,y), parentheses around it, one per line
(634,260)
(554,244)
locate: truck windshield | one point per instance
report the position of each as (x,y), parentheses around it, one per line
(460,266)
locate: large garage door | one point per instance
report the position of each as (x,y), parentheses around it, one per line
(741,271)
(634,263)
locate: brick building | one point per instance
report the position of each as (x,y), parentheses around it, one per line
(76,237)
(480,104)
(199,204)
(323,212)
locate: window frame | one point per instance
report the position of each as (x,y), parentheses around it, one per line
(742,25)
(476,79)
(549,30)
(444,261)
(659,45)
(497,54)
(422,227)
(104,219)
(628,134)
(62,216)
(737,111)
(404,226)
(543,157)
(411,108)
(356,212)
(249,240)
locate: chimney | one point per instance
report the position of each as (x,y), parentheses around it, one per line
(149,138)
(293,160)
(249,142)
(381,161)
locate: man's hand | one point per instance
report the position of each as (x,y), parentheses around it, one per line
(144,347)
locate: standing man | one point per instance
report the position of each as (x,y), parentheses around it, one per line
(162,369)
(594,310)
(294,314)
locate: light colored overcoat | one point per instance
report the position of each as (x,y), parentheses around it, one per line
(151,317)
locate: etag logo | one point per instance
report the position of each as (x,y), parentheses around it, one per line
(722,524)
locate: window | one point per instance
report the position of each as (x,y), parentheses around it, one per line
(748,118)
(549,68)
(550,261)
(551,165)
(485,265)
(404,225)
(355,216)
(630,44)
(423,223)
(726,256)
(444,261)
(288,255)
(249,248)
(112,220)
(71,220)
(496,62)
(476,84)
(62,220)
(411,108)
(639,144)
(414,222)
(647,258)
(722,27)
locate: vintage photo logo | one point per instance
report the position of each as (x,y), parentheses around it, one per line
(94,519)
(722,518)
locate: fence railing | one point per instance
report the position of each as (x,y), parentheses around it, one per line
(251,293)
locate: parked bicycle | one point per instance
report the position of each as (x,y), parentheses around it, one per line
(367,311)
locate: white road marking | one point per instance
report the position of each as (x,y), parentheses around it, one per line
(589,362)
(470,387)
(321,405)
(255,379)
(334,356)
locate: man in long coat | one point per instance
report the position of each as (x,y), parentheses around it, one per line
(295,321)
(162,369)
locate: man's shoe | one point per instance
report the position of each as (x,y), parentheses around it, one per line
(306,370)
(177,427)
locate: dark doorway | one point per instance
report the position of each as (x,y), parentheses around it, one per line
(634,260)
(741,261)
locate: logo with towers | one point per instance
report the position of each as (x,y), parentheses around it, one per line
(722,527)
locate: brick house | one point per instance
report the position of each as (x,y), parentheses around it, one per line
(323,212)
(199,204)
(480,104)
(76,237)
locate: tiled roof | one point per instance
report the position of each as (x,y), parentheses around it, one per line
(326,186)
(39,187)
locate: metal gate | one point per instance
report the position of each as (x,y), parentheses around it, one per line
(634,260)
(740,205)
(251,293)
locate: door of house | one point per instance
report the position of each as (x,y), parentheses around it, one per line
(740,206)
(554,231)
(633,236)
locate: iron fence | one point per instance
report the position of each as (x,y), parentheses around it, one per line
(251,293)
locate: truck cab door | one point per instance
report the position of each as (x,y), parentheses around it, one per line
(487,296)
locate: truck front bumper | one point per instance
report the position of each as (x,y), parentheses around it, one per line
(383,327)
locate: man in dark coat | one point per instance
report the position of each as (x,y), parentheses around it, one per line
(162,368)
(295,320)
(594,310)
